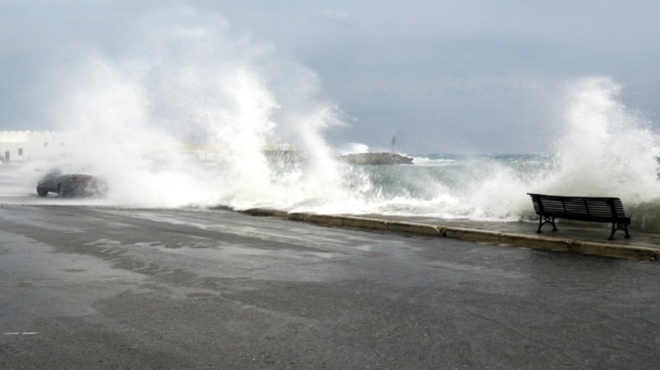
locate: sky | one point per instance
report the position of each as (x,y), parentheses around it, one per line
(469,76)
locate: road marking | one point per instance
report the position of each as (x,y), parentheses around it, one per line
(22,333)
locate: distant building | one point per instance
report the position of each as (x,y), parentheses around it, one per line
(21,146)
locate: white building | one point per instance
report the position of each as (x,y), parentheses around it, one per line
(21,146)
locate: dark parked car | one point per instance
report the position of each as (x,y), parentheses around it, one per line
(68,184)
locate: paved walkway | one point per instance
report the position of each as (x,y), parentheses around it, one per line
(572,237)
(574,230)
(577,237)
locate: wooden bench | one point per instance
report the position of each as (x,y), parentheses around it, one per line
(596,209)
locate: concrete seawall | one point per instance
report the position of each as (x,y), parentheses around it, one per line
(535,241)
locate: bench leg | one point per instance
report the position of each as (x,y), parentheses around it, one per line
(546,220)
(616,227)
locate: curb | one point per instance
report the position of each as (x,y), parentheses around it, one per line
(474,235)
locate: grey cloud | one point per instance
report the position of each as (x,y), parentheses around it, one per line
(334,15)
(452,75)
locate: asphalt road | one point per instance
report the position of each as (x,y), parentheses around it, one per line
(85,287)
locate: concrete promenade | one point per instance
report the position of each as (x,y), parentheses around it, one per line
(573,237)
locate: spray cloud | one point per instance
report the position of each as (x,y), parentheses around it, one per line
(185,87)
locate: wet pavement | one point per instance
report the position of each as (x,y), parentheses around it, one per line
(85,287)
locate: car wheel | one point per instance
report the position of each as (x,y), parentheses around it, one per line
(42,191)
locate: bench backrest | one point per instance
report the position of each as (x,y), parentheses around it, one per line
(555,205)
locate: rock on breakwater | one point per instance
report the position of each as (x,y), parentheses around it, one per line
(376,158)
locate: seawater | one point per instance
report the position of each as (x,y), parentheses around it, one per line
(478,187)
(495,187)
